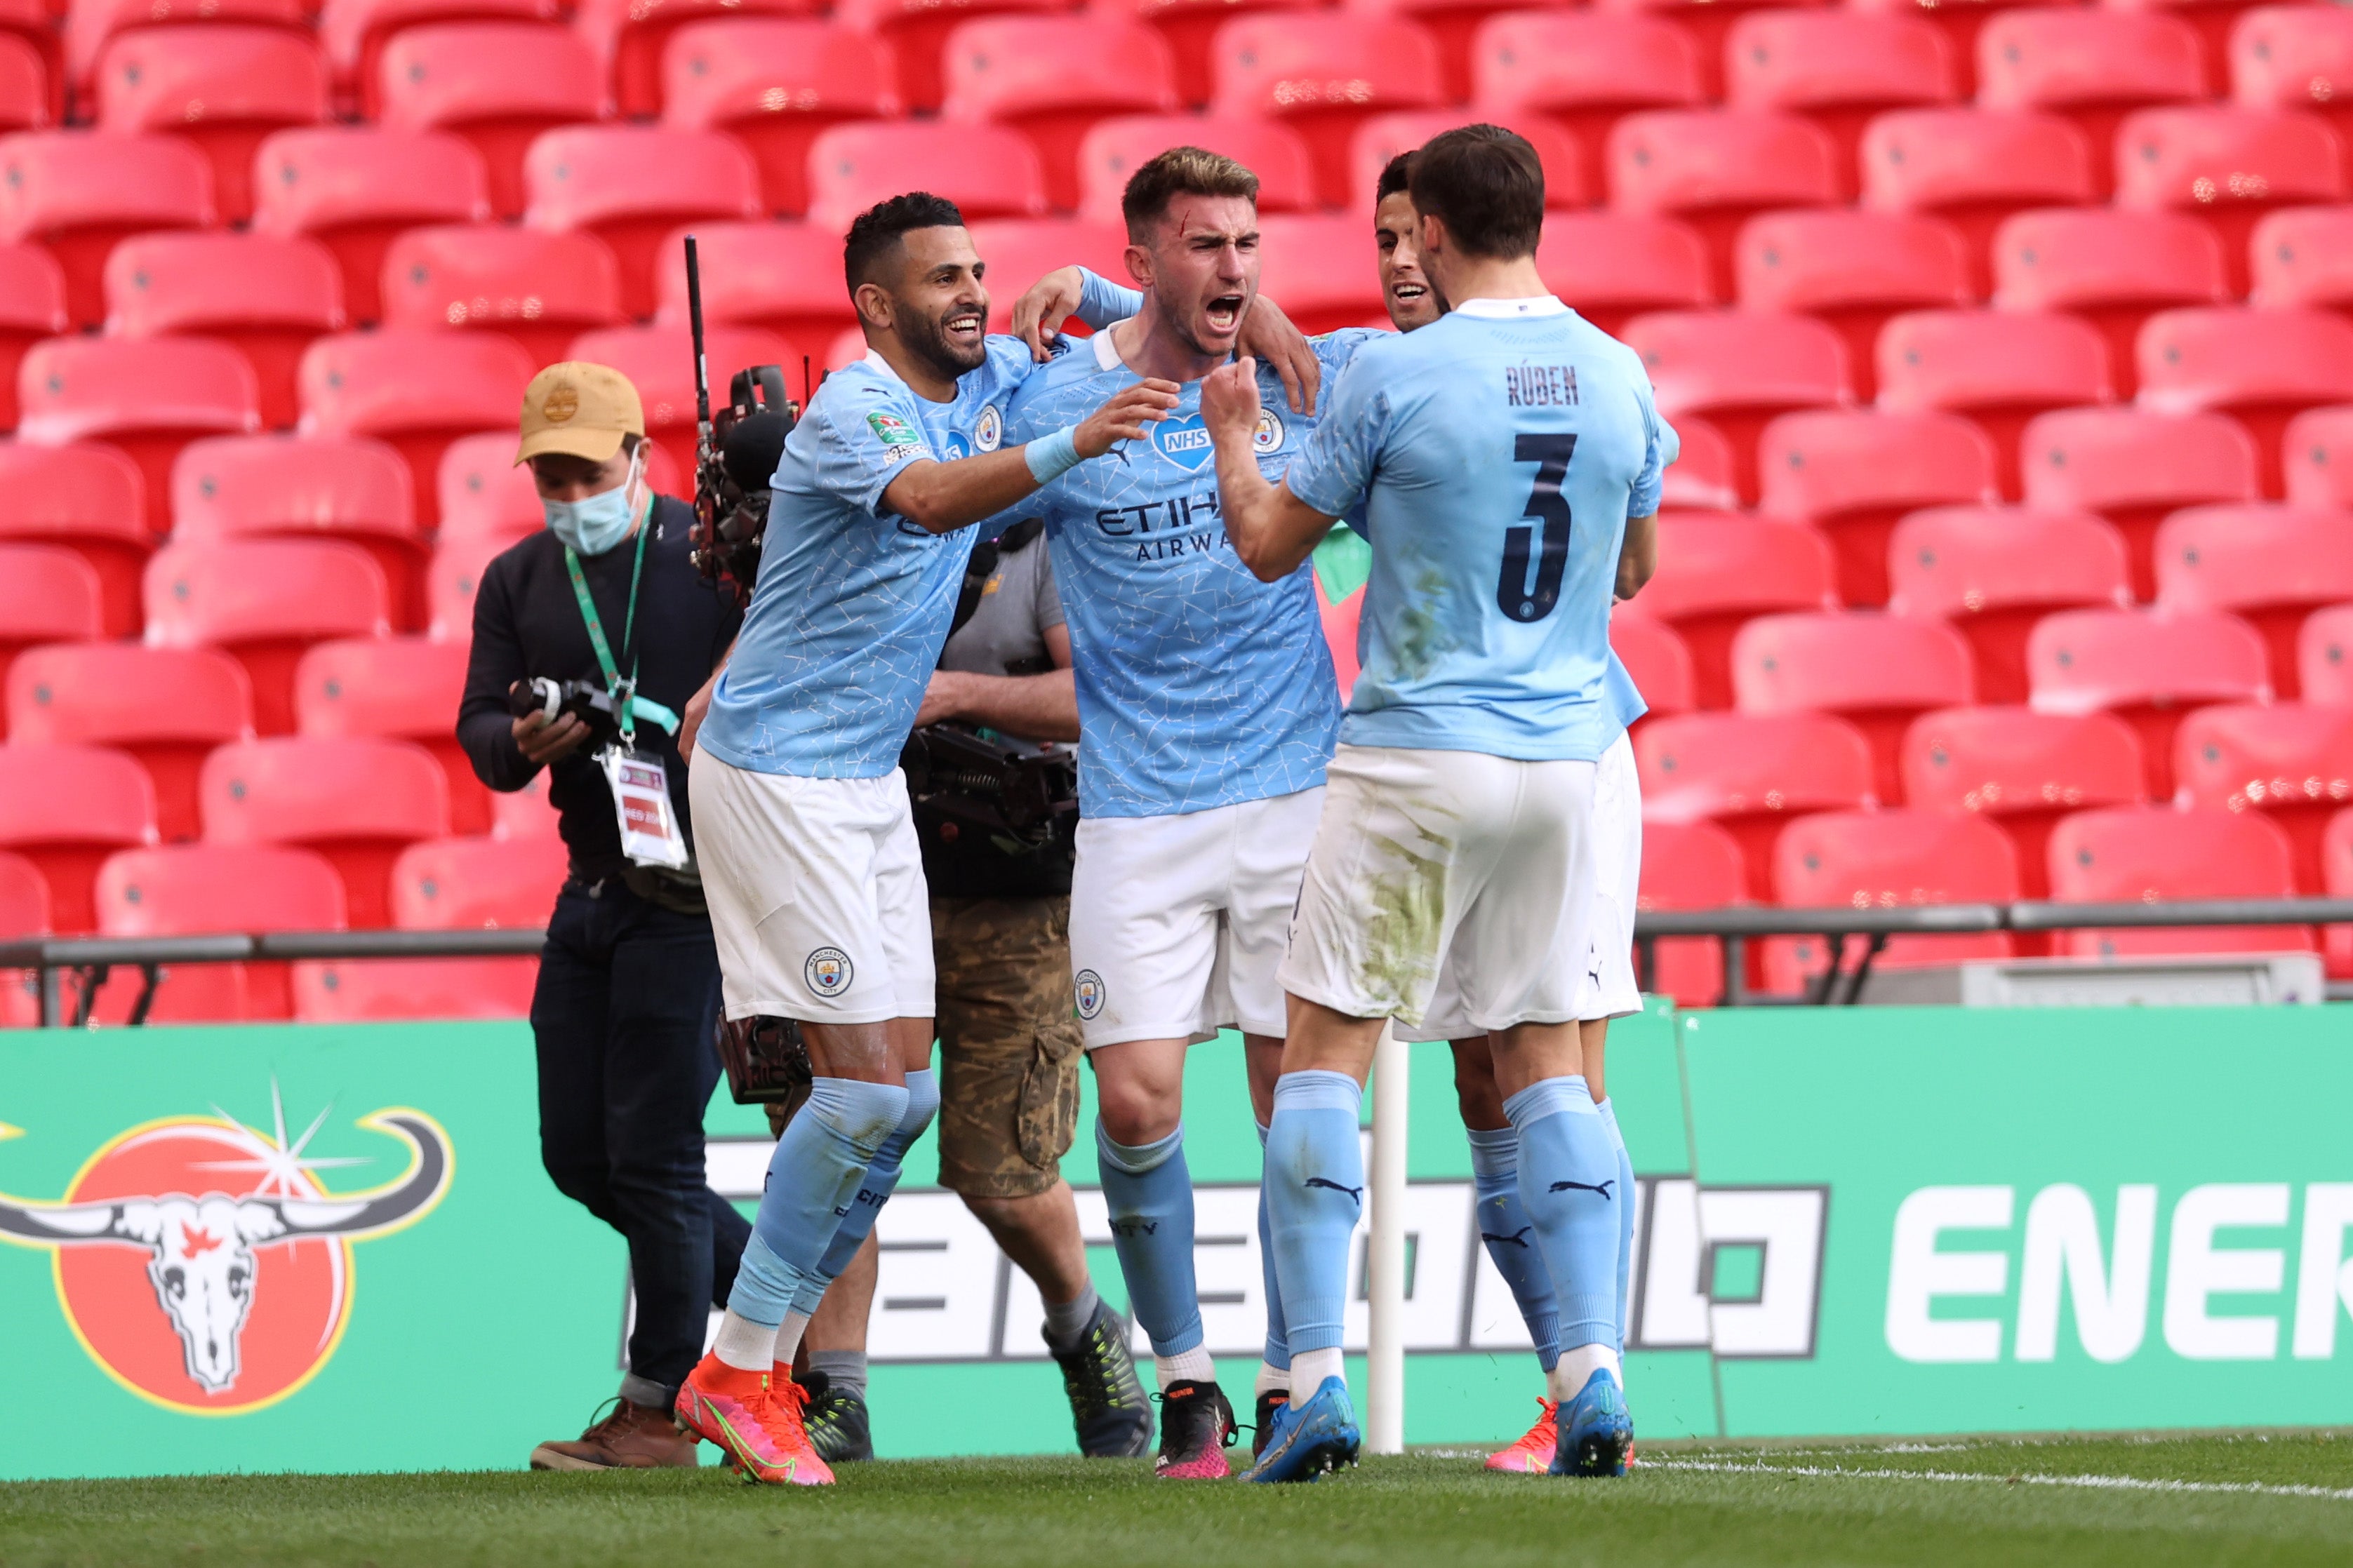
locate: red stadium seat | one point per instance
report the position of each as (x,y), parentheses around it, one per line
(306,486)
(2227,167)
(2302,256)
(265,600)
(1853,474)
(2324,657)
(2023,770)
(2149,667)
(2112,268)
(2261,367)
(659,363)
(1837,67)
(48,594)
(24,912)
(1611,266)
(524,813)
(85,496)
(2093,65)
(191,890)
(1385,136)
(1018,251)
(355,32)
(1751,774)
(497,84)
(1323,73)
(915,35)
(1717,168)
(415,390)
(2317,450)
(1114,149)
(353,188)
(77,192)
(1991,573)
(402,689)
(1707,21)
(785,277)
(2000,367)
(1454,25)
(1973,168)
(267,296)
(1320,270)
(986,170)
(451,582)
(1715,570)
(2295,56)
(1658,661)
(392,990)
(774,84)
(537,290)
(1876,671)
(477,884)
(149,398)
(633,40)
(1190,26)
(2132,467)
(358,801)
(1851,270)
(2271,564)
(220,87)
(485,493)
(1739,371)
(166,707)
(33,23)
(846,350)
(1045,79)
(2337,851)
(629,185)
(2149,854)
(1688,866)
(1888,859)
(32,307)
(91,25)
(1701,478)
(2291,761)
(1585,69)
(25,92)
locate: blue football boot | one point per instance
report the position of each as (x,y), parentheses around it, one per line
(1595,1434)
(1310,1438)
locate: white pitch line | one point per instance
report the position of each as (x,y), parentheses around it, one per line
(2093,1483)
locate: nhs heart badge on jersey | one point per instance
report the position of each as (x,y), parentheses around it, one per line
(1184,440)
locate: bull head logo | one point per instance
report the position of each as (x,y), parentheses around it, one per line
(200,1247)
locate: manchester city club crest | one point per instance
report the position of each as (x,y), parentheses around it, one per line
(989,430)
(1268,437)
(1089,987)
(828,972)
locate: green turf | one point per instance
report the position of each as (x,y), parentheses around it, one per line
(1756,1508)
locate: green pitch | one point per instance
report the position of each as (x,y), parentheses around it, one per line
(2208,1500)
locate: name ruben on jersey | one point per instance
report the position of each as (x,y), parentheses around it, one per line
(1540,386)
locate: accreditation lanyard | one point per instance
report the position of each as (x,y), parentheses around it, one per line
(629,706)
(639,781)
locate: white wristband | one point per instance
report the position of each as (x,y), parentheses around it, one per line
(1050,457)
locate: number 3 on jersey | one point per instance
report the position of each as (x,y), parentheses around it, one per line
(1513,594)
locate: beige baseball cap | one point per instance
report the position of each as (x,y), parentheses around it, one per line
(579,408)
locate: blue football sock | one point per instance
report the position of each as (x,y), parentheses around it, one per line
(1570,1184)
(1314,1191)
(881,1180)
(812,1177)
(1626,1218)
(1510,1236)
(1278,1348)
(1149,1192)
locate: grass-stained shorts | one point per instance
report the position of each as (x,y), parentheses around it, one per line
(1008,1044)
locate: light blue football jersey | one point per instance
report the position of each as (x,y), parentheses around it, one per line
(1497,453)
(1198,685)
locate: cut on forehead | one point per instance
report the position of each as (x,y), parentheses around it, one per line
(1190,214)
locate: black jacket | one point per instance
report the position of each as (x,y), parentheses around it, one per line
(527,624)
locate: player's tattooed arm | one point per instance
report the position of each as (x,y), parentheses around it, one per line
(1638,555)
(942,496)
(1272,531)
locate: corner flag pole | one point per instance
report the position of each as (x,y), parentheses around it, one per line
(1385,1363)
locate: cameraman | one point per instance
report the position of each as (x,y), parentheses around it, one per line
(628,982)
(1008,1023)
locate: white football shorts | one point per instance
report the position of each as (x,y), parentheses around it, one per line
(1177,923)
(1447,863)
(1606,987)
(816,894)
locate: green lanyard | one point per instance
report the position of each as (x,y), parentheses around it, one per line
(635,707)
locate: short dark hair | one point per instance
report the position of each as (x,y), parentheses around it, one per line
(1180,172)
(1486,185)
(882,228)
(1397,176)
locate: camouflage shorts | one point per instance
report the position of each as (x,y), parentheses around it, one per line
(1008,1044)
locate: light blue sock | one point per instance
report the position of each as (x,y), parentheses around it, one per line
(1511,1236)
(1569,1183)
(1278,1347)
(1625,1218)
(1149,1192)
(882,1179)
(1315,1190)
(812,1177)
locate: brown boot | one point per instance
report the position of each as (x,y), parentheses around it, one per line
(633,1437)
